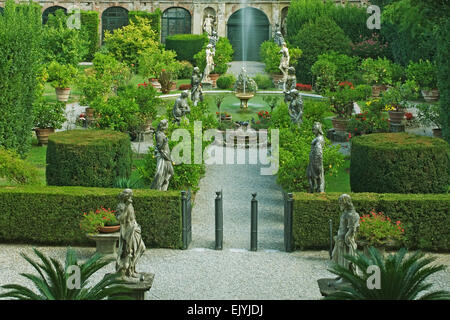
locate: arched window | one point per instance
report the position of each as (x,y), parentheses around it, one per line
(51,10)
(174,21)
(114,18)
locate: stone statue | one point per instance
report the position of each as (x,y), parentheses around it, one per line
(314,171)
(284,61)
(295,106)
(213,40)
(278,39)
(196,86)
(181,107)
(208,24)
(209,63)
(291,80)
(345,240)
(131,246)
(284,26)
(164,168)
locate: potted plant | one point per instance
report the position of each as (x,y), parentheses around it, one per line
(395,100)
(61,77)
(341,102)
(429,115)
(424,73)
(101,220)
(377,73)
(48,117)
(377,230)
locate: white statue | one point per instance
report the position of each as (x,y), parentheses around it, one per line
(208,24)
(284,61)
(209,63)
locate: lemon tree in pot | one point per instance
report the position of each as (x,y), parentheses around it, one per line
(424,73)
(61,77)
(377,73)
(48,117)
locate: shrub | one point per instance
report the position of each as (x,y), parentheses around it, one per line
(399,163)
(92,221)
(442,60)
(315,110)
(89,30)
(153,18)
(49,115)
(263,81)
(224,55)
(186,69)
(346,66)
(15,169)
(317,37)
(324,73)
(226,81)
(375,229)
(270,56)
(93,158)
(60,75)
(303,87)
(423,73)
(20,73)
(376,71)
(186,45)
(425,217)
(372,47)
(186,86)
(61,210)
(153,62)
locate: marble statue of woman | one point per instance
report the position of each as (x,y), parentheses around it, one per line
(131,246)
(208,25)
(314,171)
(284,61)
(209,63)
(164,168)
(345,243)
(196,86)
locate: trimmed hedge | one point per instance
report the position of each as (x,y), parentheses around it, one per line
(399,163)
(153,17)
(425,217)
(52,215)
(89,28)
(90,158)
(186,45)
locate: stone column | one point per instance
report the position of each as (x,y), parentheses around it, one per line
(197,18)
(221,23)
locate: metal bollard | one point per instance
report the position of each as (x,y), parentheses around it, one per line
(254,224)
(331,238)
(219,220)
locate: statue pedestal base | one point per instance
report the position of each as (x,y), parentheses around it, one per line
(140,287)
(328,286)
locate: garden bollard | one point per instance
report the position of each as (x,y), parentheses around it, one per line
(331,238)
(254,224)
(219,220)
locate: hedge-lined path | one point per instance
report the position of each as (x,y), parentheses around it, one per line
(238,182)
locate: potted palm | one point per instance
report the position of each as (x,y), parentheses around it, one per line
(61,77)
(377,73)
(424,73)
(48,117)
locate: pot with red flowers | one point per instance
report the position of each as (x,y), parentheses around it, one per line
(99,221)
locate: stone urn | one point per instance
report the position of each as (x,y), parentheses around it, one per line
(277,79)
(340,124)
(430,95)
(377,89)
(62,94)
(437,132)
(214,77)
(42,135)
(396,116)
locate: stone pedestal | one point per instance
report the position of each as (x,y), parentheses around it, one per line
(140,287)
(328,286)
(207,85)
(396,127)
(106,244)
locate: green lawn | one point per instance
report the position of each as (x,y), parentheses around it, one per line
(341,181)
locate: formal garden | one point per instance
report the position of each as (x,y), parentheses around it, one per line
(113,148)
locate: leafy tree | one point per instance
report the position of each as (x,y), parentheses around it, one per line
(402,277)
(52,282)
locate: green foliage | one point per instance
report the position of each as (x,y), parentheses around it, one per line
(15,169)
(111,71)
(186,45)
(63,44)
(89,30)
(315,110)
(60,75)
(324,73)
(223,56)
(49,115)
(342,100)
(372,47)
(424,73)
(399,163)
(60,213)
(93,158)
(154,62)
(425,217)
(402,277)
(20,73)
(346,66)
(443,75)
(154,20)
(377,230)
(127,43)
(52,282)
(372,119)
(429,115)
(269,53)
(315,38)
(396,97)
(92,221)
(226,81)
(146,98)
(376,71)
(263,81)
(186,69)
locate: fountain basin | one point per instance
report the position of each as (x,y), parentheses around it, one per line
(244,97)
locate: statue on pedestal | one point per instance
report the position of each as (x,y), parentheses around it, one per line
(295,106)
(209,63)
(284,61)
(213,40)
(196,86)
(131,246)
(314,171)
(181,107)
(164,168)
(208,24)
(291,80)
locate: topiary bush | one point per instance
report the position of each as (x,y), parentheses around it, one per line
(154,20)
(186,45)
(89,29)
(226,81)
(16,170)
(91,158)
(263,81)
(399,163)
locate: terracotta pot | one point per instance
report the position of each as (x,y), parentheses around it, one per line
(173,86)
(62,94)
(437,133)
(42,135)
(377,89)
(155,83)
(109,229)
(340,124)
(396,116)
(214,77)
(430,95)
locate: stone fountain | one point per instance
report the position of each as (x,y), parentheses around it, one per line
(244,88)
